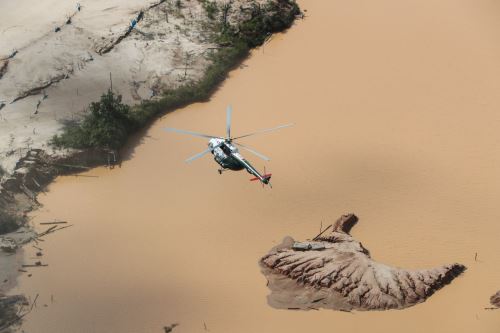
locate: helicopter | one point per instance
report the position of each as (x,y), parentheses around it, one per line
(225,150)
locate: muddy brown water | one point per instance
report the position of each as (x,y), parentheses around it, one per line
(397,113)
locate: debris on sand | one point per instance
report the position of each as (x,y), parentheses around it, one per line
(335,271)
(3,67)
(8,244)
(11,308)
(495,300)
(170,328)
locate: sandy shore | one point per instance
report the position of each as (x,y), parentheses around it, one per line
(396,119)
(50,77)
(56,57)
(396,107)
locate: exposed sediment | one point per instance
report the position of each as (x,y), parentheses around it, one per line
(337,272)
(35,171)
(17,197)
(11,311)
(172,46)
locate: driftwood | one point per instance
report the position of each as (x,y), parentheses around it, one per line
(51,230)
(72,166)
(170,328)
(55,222)
(3,68)
(66,226)
(36,265)
(322,232)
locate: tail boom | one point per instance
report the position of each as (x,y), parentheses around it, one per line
(262,178)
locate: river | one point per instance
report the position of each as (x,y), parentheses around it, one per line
(396,111)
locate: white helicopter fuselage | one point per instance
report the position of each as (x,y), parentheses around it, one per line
(225,151)
(228,156)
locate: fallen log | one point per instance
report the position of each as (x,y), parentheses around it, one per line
(322,232)
(47,231)
(55,222)
(61,228)
(72,166)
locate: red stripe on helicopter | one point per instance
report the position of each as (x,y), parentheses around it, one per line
(268,175)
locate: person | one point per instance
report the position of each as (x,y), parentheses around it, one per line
(78,6)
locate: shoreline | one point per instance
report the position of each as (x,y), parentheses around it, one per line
(415,162)
(34,170)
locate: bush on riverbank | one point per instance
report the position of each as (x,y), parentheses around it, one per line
(110,122)
(108,125)
(272,17)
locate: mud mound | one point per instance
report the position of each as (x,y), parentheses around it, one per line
(337,272)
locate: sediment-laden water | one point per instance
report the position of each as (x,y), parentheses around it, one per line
(396,107)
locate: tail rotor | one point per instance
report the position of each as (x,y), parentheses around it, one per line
(265,178)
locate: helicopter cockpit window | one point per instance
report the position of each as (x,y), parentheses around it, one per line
(226,150)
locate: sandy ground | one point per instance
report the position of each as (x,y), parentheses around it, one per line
(396,111)
(70,68)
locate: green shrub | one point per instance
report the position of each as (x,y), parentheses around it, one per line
(210,8)
(108,125)
(198,91)
(110,122)
(266,20)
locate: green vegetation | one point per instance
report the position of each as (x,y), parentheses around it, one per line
(211,9)
(266,20)
(108,125)
(110,122)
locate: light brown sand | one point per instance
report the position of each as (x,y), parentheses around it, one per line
(397,112)
(74,71)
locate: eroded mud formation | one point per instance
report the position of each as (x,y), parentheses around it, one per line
(335,271)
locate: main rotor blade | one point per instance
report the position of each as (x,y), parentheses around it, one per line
(191,159)
(265,158)
(229,112)
(263,131)
(191,133)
